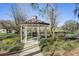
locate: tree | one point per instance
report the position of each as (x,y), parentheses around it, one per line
(76,10)
(7,24)
(50,11)
(52,20)
(18,15)
(70,25)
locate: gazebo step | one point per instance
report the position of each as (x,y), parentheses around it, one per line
(26,50)
(30,47)
(30,43)
(30,52)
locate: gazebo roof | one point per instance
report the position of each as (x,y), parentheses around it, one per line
(34,20)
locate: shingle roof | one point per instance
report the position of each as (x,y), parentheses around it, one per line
(35,22)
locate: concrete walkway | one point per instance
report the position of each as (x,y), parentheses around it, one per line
(31,48)
(31,52)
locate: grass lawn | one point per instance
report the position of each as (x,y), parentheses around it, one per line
(2,34)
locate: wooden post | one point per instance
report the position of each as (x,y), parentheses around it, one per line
(25,33)
(45,32)
(21,33)
(31,33)
(38,32)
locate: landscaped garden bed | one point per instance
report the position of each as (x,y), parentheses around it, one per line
(10,44)
(58,47)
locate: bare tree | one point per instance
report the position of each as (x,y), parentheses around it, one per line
(50,10)
(70,25)
(18,15)
(76,10)
(7,24)
(52,17)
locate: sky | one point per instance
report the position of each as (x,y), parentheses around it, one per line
(65,12)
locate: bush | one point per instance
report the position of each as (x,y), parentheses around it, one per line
(69,45)
(16,47)
(10,44)
(69,35)
(47,46)
(43,43)
(6,44)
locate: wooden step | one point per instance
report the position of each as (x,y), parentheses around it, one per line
(30,47)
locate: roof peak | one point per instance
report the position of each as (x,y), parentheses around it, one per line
(34,18)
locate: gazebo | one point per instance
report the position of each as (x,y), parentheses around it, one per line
(33,23)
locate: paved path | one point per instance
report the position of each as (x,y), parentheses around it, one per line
(31,48)
(32,52)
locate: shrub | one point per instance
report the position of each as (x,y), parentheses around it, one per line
(10,44)
(43,43)
(16,47)
(69,45)
(69,35)
(47,46)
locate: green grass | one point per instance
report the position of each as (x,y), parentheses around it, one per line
(2,34)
